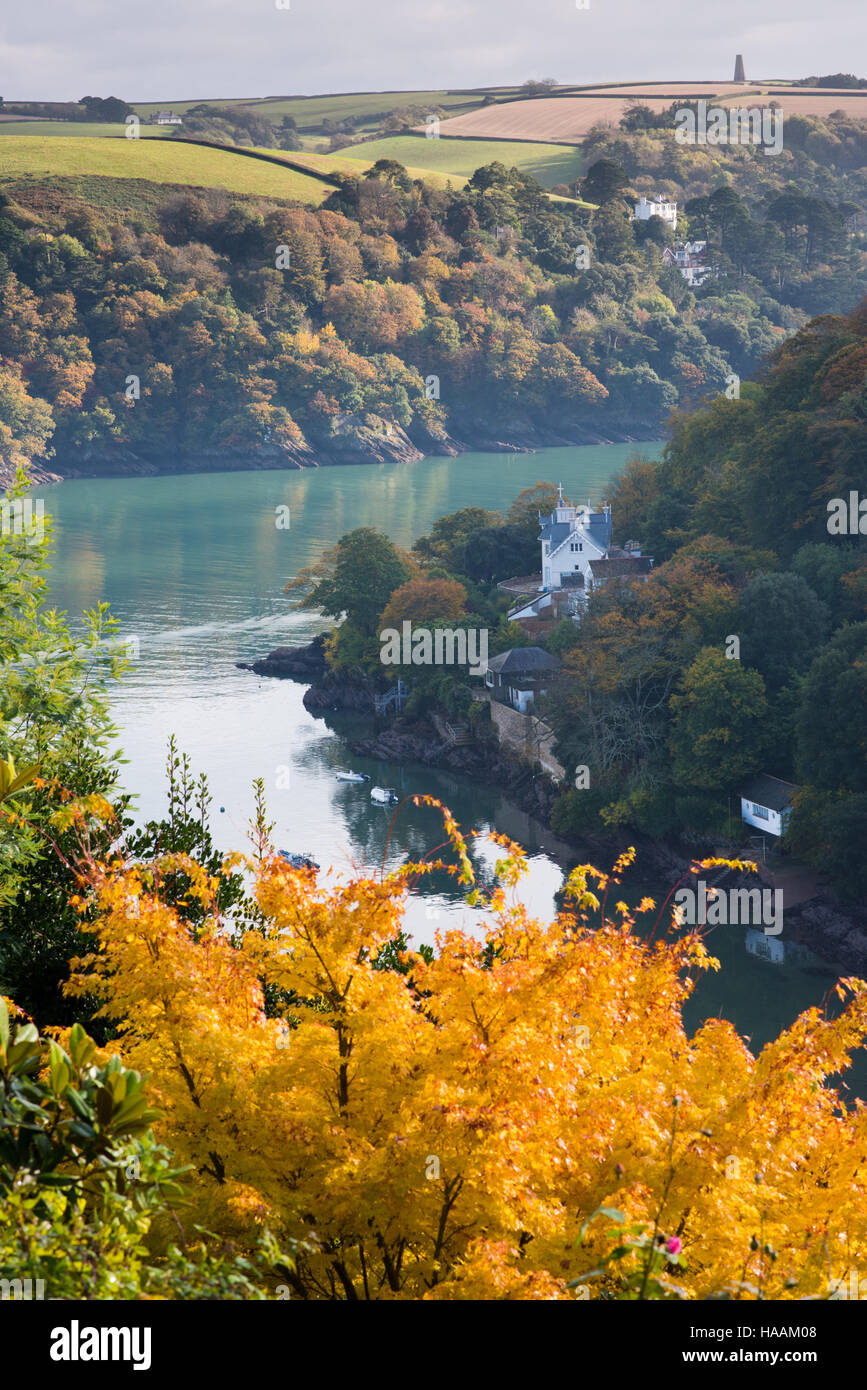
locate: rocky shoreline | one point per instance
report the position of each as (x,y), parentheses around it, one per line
(834,931)
(351,440)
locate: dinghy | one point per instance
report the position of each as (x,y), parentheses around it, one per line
(299,861)
(384,796)
(352,777)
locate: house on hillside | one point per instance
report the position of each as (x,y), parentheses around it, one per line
(167,118)
(766,803)
(577,557)
(689,257)
(657,206)
(517,677)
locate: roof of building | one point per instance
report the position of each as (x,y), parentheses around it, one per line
(521,660)
(764,790)
(556,532)
(621,566)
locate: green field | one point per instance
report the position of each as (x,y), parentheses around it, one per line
(312,111)
(159,161)
(76,129)
(549,164)
(345,163)
(150,108)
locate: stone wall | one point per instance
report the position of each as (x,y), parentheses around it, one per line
(528,736)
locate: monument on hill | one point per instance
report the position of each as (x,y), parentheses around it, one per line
(740,75)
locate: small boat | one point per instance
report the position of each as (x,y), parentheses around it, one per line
(384,796)
(299,861)
(352,777)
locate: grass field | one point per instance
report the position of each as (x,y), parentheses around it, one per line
(312,111)
(549,163)
(150,108)
(77,130)
(159,161)
(352,162)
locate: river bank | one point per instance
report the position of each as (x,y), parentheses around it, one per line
(349,441)
(833,930)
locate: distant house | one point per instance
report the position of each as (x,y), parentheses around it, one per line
(577,557)
(690,259)
(766,803)
(658,206)
(518,676)
(168,118)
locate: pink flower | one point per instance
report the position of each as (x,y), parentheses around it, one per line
(673,1245)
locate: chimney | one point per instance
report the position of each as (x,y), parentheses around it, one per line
(740,75)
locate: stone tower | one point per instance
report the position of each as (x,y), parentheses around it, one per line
(740,75)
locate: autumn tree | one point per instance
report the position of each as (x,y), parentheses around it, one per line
(450,1129)
(424,601)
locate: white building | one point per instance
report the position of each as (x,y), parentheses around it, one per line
(658,206)
(577,557)
(689,257)
(766,803)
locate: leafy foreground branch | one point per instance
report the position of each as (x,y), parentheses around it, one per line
(448,1127)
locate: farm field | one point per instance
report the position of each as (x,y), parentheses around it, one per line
(548,163)
(674,89)
(74,129)
(312,111)
(344,162)
(150,108)
(569,119)
(159,161)
(551,120)
(850,102)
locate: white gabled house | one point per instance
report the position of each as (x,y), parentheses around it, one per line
(766,803)
(658,206)
(577,557)
(690,259)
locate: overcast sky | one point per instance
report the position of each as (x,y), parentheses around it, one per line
(163,50)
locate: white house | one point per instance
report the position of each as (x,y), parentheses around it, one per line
(517,676)
(766,803)
(577,557)
(168,118)
(689,257)
(657,206)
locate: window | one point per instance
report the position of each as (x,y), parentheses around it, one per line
(761,811)
(576,545)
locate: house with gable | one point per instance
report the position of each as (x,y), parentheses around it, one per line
(577,557)
(690,258)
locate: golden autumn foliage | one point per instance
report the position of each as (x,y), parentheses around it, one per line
(444,1130)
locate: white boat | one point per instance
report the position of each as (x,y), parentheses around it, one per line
(298,861)
(384,796)
(352,777)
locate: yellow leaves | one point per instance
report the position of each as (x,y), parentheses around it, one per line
(424,1123)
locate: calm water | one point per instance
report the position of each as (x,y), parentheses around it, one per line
(194,567)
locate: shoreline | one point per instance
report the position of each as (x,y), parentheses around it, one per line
(835,931)
(358,446)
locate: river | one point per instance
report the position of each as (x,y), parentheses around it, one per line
(194,568)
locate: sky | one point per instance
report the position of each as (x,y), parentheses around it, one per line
(163,50)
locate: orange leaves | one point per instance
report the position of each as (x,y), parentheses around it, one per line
(442,1129)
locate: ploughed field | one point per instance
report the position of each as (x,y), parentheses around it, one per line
(568,119)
